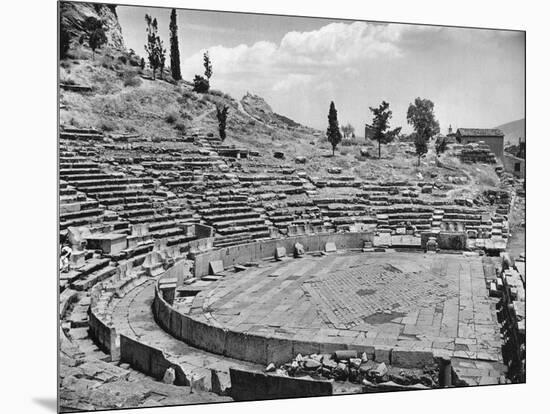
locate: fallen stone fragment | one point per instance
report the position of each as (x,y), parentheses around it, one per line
(270,367)
(311,364)
(344,355)
(380,370)
(169,376)
(355,362)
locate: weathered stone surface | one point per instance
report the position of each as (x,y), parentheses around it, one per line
(330,247)
(280,253)
(216,267)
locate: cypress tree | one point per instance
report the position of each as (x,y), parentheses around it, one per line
(333,131)
(174,47)
(207,65)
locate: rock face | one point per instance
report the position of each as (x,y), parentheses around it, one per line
(260,110)
(73,16)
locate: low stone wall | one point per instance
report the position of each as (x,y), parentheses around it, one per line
(212,337)
(149,360)
(248,385)
(105,336)
(446,240)
(253,252)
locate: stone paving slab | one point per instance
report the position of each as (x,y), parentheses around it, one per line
(407,300)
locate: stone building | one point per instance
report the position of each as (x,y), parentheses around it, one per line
(514,165)
(494,138)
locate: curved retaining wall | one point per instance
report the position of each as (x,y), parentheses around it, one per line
(253,252)
(212,337)
(104,335)
(149,360)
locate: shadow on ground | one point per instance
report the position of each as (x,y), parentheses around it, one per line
(49,403)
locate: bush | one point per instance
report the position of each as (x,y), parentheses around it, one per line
(171,118)
(132,81)
(180,126)
(187,94)
(106,62)
(74,123)
(344,151)
(201,84)
(186,116)
(107,125)
(130,128)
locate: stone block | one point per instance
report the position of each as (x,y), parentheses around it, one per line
(412,358)
(330,247)
(207,337)
(280,253)
(305,347)
(215,267)
(382,353)
(221,382)
(247,347)
(279,350)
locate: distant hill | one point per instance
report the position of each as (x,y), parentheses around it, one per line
(513,131)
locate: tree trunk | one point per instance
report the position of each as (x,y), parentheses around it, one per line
(379,150)
(333,150)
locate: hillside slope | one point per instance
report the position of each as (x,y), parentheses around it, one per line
(124,100)
(513,131)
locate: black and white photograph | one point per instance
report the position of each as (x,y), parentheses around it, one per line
(258,206)
(277,207)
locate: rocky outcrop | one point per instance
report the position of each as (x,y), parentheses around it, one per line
(260,110)
(73,16)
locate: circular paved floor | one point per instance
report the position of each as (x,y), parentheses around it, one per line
(405,299)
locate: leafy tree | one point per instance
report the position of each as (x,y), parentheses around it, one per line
(440,145)
(95,32)
(96,40)
(221,114)
(207,65)
(380,123)
(333,131)
(174,47)
(422,118)
(420,145)
(91,23)
(64,42)
(154,47)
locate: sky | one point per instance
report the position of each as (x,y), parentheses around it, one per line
(475,77)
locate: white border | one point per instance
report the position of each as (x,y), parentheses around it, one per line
(28,165)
